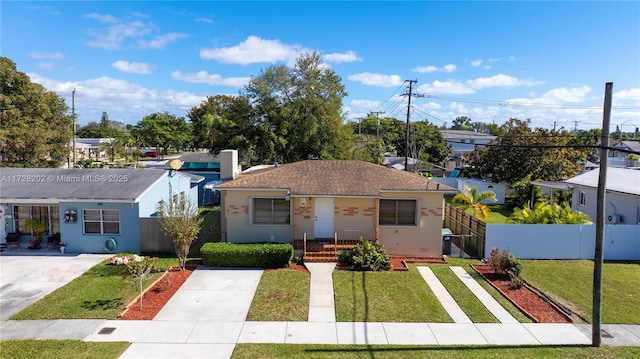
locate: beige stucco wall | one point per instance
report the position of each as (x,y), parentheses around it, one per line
(355,217)
(236,219)
(425,239)
(352,217)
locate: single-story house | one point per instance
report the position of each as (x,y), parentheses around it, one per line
(328,199)
(93,210)
(622,195)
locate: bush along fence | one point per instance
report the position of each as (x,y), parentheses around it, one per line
(247,255)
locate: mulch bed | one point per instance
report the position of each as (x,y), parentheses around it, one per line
(157,295)
(535,306)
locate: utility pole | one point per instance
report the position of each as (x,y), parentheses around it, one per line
(406,148)
(377,113)
(73,132)
(360,125)
(598,257)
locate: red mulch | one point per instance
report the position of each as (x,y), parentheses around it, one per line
(530,302)
(155,298)
(398,265)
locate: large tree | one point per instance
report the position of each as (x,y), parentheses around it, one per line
(163,129)
(35,124)
(300,109)
(389,135)
(518,151)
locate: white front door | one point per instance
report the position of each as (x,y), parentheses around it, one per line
(323,217)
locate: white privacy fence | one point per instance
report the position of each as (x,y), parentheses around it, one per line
(559,241)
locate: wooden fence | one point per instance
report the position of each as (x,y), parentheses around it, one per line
(469,232)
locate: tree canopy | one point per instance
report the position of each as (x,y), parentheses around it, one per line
(163,129)
(518,151)
(35,126)
(302,106)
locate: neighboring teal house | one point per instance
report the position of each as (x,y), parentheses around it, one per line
(95,211)
(214,169)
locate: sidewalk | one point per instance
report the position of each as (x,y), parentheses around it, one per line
(206,318)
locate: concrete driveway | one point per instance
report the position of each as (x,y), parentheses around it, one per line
(26,279)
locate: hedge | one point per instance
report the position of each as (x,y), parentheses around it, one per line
(249,255)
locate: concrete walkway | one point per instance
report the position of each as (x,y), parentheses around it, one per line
(447,301)
(321,299)
(206,319)
(483,296)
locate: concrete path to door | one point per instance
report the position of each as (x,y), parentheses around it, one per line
(25,279)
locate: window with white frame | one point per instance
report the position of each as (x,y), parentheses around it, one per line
(101,221)
(271,211)
(398,212)
(583,198)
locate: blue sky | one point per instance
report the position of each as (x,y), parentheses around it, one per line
(547,61)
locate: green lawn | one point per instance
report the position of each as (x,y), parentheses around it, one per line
(282,295)
(506,304)
(470,305)
(60,349)
(267,351)
(385,297)
(102,292)
(572,281)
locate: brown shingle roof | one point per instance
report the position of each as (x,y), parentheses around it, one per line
(335,178)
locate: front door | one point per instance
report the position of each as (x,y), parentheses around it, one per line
(323,217)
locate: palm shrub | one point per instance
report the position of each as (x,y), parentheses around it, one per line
(473,198)
(366,256)
(545,213)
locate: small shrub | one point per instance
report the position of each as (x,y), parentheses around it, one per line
(516,282)
(366,256)
(507,263)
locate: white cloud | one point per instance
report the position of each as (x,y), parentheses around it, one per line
(631,94)
(160,41)
(123,100)
(116,34)
(426,69)
(472,86)
(500,80)
(254,50)
(449,68)
(46,65)
(106,18)
(338,58)
(46,55)
(203,77)
(132,67)
(431,68)
(371,79)
(446,87)
(365,105)
(205,20)
(564,94)
(476,63)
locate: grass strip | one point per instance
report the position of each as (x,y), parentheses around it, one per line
(468,302)
(572,282)
(282,295)
(60,349)
(385,297)
(99,293)
(268,351)
(505,303)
